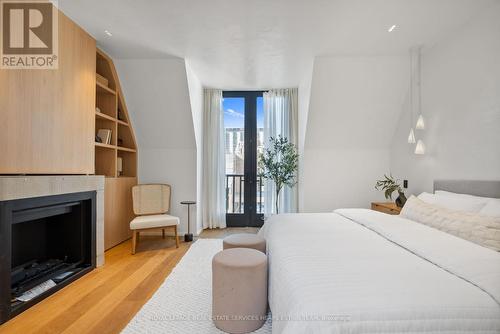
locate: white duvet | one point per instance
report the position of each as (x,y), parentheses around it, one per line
(361,271)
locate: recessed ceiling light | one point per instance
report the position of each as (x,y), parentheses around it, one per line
(107,32)
(392,28)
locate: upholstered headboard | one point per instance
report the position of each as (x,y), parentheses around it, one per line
(471,187)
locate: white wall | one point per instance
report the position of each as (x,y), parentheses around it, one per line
(353,112)
(304,97)
(461,105)
(342,178)
(157,96)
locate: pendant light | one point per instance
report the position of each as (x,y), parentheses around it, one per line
(420,148)
(411,137)
(420,121)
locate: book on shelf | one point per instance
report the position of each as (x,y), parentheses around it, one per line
(105,135)
(119,165)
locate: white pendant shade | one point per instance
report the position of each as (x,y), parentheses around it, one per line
(411,137)
(420,148)
(420,123)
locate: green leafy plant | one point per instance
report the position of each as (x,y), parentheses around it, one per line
(389,185)
(279,163)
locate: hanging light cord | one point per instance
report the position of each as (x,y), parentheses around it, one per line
(419,81)
(411,89)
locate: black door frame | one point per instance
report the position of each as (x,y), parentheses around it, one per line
(250,217)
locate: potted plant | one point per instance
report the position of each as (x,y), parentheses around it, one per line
(279,163)
(389,185)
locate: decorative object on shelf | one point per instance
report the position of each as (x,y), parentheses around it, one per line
(119,166)
(420,148)
(97,110)
(120,142)
(98,139)
(120,115)
(105,135)
(389,185)
(279,163)
(102,80)
(188,237)
(401,199)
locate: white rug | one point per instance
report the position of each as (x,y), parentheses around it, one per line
(183,303)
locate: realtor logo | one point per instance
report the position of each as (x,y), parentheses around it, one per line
(29,34)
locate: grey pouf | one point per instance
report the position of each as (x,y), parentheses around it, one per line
(245,240)
(239,290)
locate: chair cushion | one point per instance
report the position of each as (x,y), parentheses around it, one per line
(152,221)
(245,240)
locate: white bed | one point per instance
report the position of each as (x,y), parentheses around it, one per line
(361,271)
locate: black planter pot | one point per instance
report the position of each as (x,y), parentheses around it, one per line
(401,200)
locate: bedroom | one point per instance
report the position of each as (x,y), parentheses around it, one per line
(191,97)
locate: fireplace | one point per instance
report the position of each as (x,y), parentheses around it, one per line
(45,243)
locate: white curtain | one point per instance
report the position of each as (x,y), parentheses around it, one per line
(280,118)
(214,209)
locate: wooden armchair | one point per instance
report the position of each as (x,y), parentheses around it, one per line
(151,204)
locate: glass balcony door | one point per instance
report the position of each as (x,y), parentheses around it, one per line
(243,126)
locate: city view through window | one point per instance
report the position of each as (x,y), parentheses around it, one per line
(234,140)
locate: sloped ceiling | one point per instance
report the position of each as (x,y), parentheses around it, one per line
(157,96)
(242,44)
(356,101)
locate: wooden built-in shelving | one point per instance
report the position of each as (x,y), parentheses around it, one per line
(99,115)
(113,115)
(105,145)
(104,89)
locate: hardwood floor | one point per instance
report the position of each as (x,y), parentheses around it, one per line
(105,300)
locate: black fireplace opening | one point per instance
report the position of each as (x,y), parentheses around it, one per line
(46,243)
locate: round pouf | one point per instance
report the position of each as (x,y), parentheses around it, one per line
(239,290)
(245,240)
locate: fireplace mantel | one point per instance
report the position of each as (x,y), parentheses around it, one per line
(19,187)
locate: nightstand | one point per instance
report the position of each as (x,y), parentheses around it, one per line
(386,207)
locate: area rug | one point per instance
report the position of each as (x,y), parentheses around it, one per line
(183,303)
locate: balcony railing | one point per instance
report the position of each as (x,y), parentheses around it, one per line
(235,193)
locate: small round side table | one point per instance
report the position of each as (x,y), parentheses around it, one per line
(188,237)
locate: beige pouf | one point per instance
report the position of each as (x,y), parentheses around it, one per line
(239,290)
(245,240)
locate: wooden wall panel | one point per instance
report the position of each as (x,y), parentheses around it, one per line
(47,116)
(118,210)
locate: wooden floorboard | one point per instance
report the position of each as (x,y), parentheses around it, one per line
(106,299)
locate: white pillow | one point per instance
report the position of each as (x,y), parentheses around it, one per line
(459,202)
(492,208)
(427,198)
(482,230)
(465,196)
